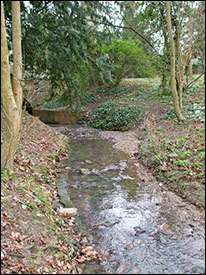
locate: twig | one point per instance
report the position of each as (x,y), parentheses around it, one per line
(145,39)
(50,246)
(31,126)
(15,255)
(193,81)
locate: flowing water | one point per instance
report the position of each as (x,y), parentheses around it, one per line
(136,224)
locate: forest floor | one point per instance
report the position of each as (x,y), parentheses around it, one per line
(36,237)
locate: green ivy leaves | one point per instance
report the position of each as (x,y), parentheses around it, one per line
(112,116)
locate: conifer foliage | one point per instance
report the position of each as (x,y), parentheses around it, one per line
(60,40)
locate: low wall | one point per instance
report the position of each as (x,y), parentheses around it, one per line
(57,116)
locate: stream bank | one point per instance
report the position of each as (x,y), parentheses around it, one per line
(36,238)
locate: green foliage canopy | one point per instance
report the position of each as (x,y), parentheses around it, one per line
(60,41)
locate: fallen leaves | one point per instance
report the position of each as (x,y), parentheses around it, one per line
(18,237)
(87,253)
(164,226)
(129,245)
(35,238)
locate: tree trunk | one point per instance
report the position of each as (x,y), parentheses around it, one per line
(164,69)
(203,14)
(178,113)
(17,54)
(190,48)
(180,70)
(11,107)
(190,67)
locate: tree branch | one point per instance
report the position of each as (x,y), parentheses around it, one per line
(145,39)
(193,81)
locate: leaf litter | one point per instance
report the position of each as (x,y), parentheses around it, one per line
(36,239)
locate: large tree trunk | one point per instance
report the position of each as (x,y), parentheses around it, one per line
(203,14)
(178,113)
(164,69)
(11,107)
(17,54)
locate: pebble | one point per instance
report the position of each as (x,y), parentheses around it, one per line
(164,226)
(129,245)
(84,171)
(120,269)
(69,211)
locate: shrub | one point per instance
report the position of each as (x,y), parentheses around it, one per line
(128,59)
(89,97)
(112,116)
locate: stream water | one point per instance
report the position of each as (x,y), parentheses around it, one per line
(136,224)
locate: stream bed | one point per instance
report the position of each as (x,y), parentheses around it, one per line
(136,224)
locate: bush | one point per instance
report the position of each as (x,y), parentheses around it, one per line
(89,97)
(128,59)
(111,116)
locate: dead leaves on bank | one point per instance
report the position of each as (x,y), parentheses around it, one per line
(35,238)
(40,249)
(87,253)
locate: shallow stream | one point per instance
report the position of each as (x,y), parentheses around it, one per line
(137,225)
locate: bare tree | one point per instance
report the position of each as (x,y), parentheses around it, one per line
(11,98)
(178,113)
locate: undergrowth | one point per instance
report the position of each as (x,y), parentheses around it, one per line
(113,90)
(191,111)
(111,115)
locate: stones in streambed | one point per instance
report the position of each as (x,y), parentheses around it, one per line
(164,226)
(68,211)
(84,171)
(63,169)
(62,192)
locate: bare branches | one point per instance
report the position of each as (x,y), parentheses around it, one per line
(144,38)
(193,81)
